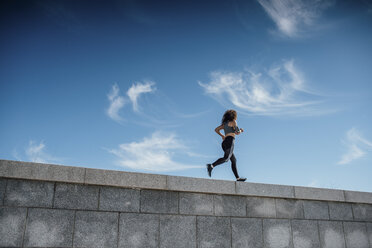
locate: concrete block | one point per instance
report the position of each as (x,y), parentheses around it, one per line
(331,234)
(201,185)
(358,197)
(12,223)
(226,205)
(356,235)
(309,193)
(125,179)
(246,232)
(44,172)
(138,230)
(258,189)
(29,193)
(340,211)
(261,207)
(2,190)
(154,201)
(362,212)
(305,234)
(213,232)
(119,199)
(277,233)
(49,228)
(316,210)
(177,231)
(291,209)
(96,229)
(196,204)
(369,233)
(75,196)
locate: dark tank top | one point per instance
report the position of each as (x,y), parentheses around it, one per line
(229,129)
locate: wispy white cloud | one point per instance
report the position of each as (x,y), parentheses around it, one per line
(294,16)
(153,154)
(116,104)
(36,153)
(281,90)
(136,90)
(357,146)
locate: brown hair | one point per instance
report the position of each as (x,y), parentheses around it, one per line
(229,115)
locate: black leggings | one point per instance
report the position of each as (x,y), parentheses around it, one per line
(228,148)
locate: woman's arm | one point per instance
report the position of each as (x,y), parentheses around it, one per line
(218,129)
(240,130)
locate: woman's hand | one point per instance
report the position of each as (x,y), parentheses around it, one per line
(240,131)
(223,137)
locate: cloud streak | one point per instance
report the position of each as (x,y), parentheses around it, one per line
(280,91)
(153,153)
(137,90)
(292,16)
(36,153)
(357,146)
(117,102)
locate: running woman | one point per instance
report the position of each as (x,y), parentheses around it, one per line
(229,125)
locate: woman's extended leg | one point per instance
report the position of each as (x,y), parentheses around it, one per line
(233,165)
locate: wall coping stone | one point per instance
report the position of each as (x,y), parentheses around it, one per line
(89,176)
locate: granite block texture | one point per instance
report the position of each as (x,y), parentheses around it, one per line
(261,207)
(177,231)
(331,234)
(119,199)
(125,179)
(358,197)
(200,185)
(362,212)
(316,210)
(246,232)
(225,205)
(47,206)
(12,223)
(369,233)
(96,229)
(290,209)
(213,232)
(319,194)
(49,228)
(356,235)
(138,230)
(75,196)
(2,190)
(38,171)
(277,233)
(29,193)
(305,234)
(196,204)
(340,211)
(258,189)
(154,201)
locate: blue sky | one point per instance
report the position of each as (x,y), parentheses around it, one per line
(141,85)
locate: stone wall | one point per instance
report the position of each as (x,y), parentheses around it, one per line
(46,205)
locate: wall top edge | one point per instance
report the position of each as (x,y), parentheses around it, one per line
(94,176)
